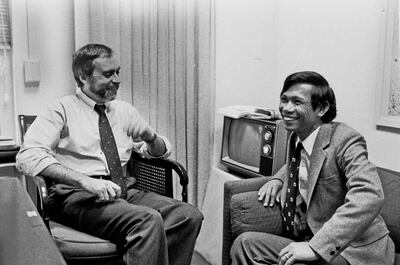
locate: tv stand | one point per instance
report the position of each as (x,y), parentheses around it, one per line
(209,241)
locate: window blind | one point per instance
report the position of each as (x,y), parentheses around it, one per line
(5,25)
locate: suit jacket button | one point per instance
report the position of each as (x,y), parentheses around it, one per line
(338,248)
(332,253)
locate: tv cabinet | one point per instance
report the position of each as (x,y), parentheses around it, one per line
(209,241)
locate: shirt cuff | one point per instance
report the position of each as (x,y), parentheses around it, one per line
(36,167)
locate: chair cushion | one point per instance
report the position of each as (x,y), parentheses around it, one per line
(248,214)
(74,244)
(391,210)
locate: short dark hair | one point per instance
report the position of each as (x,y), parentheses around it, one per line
(82,60)
(322,94)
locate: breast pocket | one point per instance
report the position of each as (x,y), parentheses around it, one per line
(327,179)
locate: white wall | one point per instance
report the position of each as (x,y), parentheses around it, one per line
(258,43)
(42,30)
(246,57)
(339,39)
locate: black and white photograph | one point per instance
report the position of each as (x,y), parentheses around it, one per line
(199,132)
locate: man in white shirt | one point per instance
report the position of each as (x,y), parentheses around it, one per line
(335,191)
(65,145)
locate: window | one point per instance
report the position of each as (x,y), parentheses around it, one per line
(7,112)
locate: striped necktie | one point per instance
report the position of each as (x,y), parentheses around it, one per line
(110,150)
(291,194)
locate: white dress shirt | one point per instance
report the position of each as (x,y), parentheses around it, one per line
(67,133)
(304,167)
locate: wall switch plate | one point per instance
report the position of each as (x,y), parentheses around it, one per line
(32,71)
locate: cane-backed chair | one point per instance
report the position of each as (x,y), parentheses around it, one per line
(80,248)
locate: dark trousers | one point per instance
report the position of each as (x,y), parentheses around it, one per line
(253,248)
(152,229)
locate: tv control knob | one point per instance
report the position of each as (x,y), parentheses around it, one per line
(267,149)
(268,136)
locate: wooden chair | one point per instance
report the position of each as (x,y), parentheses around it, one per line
(24,122)
(80,248)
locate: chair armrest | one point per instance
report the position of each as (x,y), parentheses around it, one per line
(230,189)
(164,166)
(182,174)
(243,185)
(37,190)
(249,214)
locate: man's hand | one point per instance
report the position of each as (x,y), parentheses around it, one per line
(155,145)
(148,135)
(106,190)
(141,133)
(297,251)
(270,192)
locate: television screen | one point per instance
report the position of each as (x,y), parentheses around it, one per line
(244,142)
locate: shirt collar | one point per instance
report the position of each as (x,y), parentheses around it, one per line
(309,142)
(88,101)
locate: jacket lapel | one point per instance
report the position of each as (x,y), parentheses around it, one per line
(317,158)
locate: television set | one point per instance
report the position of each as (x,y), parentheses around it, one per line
(253,147)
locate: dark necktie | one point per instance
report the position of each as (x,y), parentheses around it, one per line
(291,194)
(110,150)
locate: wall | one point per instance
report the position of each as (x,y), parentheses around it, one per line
(245,60)
(42,30)
(259,43)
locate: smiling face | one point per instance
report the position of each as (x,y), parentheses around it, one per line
(103,84)
(297,112)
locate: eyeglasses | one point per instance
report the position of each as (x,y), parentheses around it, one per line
(108,75)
